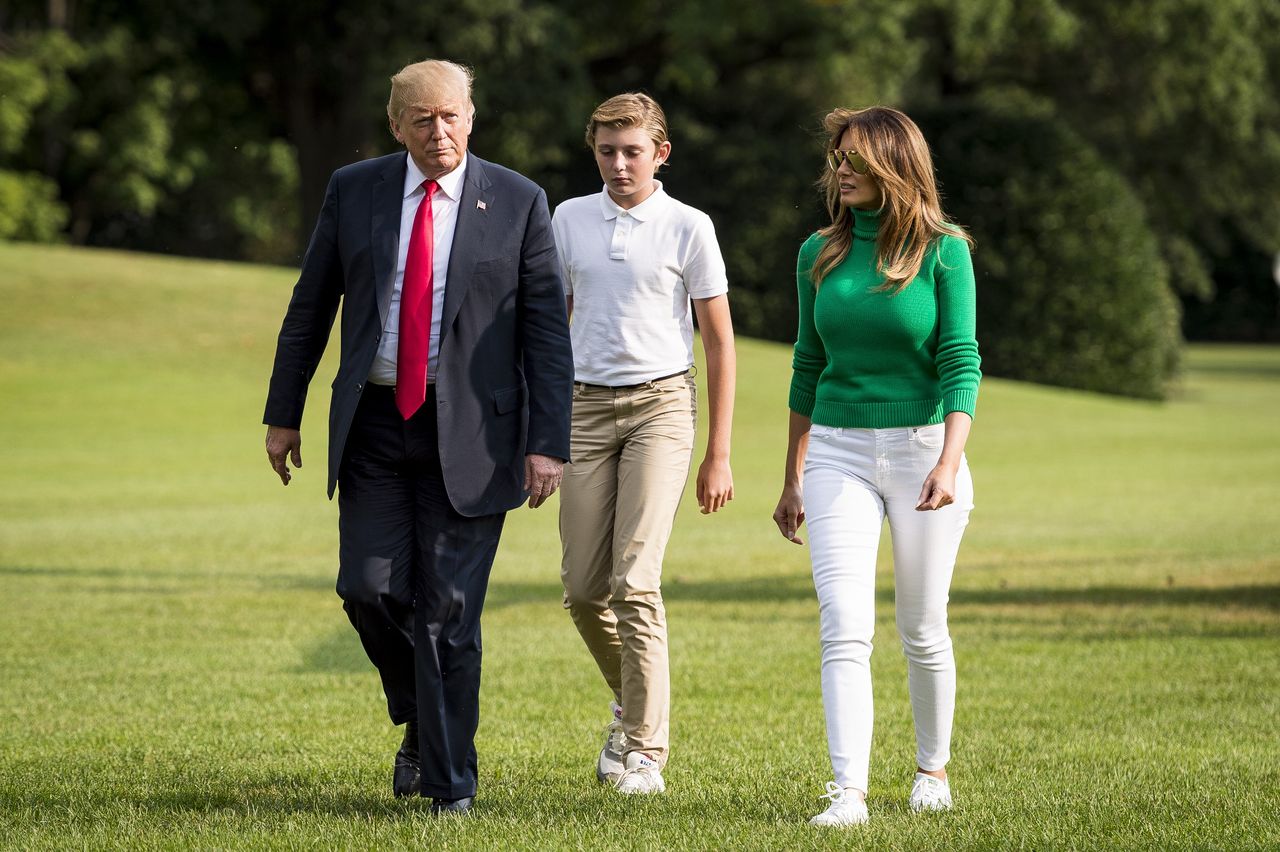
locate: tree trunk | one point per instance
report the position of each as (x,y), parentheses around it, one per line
(327,129)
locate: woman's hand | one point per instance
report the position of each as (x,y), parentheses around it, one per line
(790,513)
(939,488)
(940,485)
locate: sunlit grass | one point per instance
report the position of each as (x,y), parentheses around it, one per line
(176,671)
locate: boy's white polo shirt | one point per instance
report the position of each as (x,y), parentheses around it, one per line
(631,274)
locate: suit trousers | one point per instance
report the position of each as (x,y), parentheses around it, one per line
(412,576)
(631,453)
(853,479)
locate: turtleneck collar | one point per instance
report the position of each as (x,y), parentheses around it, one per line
(866,223)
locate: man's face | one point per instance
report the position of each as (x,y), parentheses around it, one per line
(435,134)
(627,159)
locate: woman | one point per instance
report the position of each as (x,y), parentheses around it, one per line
(633,258)
(885,378)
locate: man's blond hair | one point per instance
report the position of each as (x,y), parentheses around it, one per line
(633,109)
(432,82)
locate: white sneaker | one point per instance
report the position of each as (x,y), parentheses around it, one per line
(642,775)
(610,766)
(846,808)
(930,794)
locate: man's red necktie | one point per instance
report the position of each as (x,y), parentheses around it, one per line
(415,310)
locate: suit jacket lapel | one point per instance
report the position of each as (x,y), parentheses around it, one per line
(468,239)
(388,202)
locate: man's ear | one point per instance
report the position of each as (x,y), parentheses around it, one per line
(395,130)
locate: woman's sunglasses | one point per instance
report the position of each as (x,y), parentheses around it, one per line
(836,158)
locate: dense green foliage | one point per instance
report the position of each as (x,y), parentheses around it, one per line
(210,128)
(1072,289)
(1178,97)
(178,672)
(29,205)
(146,150)
(29,208)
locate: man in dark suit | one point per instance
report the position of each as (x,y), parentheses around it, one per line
(451,404)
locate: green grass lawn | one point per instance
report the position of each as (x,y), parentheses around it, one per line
(176,671)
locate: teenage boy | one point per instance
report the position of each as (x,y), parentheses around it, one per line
(637,266)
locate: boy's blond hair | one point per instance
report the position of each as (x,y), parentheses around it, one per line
(633,109)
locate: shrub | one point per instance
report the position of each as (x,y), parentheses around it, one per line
(1072,289)
(29,208)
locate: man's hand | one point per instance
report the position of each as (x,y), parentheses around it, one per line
(282,443)
(542,476)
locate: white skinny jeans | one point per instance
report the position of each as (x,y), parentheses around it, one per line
(852,479)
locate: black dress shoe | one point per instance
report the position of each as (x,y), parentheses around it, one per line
(407,780)
(452,806)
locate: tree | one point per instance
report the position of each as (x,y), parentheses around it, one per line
(1178,98)
(211,127)
(1072,289)
(29,205)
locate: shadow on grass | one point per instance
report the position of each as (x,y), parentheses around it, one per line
(99,573)
(223,799)
(104,581)
(1239,597)
(339,653)
(282,795)
(303,582)
(800,587)
(756,590)
(185,573)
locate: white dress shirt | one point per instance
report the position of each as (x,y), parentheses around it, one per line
(444,213)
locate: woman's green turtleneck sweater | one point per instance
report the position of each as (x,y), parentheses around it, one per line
(870,359)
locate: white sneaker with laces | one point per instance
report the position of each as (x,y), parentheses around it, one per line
(642,775)
(930,794)
(610,766)
(846,808)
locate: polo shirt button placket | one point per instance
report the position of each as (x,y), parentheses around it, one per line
(621,236)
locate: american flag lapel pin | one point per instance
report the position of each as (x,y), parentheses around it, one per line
(480,205)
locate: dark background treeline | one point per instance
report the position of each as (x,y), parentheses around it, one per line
(1117,163)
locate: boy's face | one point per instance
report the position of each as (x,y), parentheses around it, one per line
(628,158)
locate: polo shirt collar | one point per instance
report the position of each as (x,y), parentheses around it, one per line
(648,209)
(450,184)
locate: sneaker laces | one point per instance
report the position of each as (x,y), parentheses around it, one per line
(844,804)
(636,770)
(615,739)
(835,793)
(928,790)
(627,773)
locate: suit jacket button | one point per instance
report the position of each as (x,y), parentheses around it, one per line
(359,387)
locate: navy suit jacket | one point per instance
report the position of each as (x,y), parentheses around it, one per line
(504,375)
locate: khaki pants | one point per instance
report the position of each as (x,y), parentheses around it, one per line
(631,453)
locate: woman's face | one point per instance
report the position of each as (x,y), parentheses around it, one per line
(860,191)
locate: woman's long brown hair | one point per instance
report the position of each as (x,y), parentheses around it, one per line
(911,217)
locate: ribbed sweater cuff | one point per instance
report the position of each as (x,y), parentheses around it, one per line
(960,400)
(801,402)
